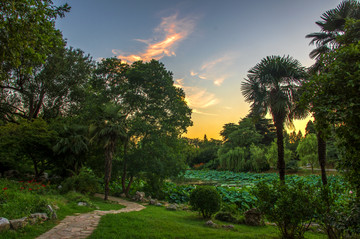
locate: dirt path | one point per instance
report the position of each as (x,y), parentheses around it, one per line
(82,225)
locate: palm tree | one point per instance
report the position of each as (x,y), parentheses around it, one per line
(107,131)
(272,86)
(332,25)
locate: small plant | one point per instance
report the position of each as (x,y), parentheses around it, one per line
(291,207)
(85,182)
(206,200)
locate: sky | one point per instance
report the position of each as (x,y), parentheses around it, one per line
(208,45)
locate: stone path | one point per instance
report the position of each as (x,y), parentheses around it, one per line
(82,225)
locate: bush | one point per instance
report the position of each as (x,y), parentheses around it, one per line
(291,207)
(206,200)
(85,182)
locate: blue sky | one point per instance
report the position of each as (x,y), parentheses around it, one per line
(208,45)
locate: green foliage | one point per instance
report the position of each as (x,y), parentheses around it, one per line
(272,154)
(28,142)
(289,206)
(258,159)
(307,150)
(177,193)
(205,200)
(85,182)
(27,34)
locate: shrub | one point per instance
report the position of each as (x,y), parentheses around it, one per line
(291,207)
(206,200)
(85,182)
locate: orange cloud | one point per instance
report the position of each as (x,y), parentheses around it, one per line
(196,97)
(171,31)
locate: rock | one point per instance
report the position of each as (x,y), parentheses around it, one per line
(210,224)
(18,223)
(159,204)
(56,207)
(225,217)
(171,207)
(11,174)
(253,217)
(4,224)
(52,212)
(152,202)
(140,196)
(228,226)
(123,195)
(39,216)
(82,204)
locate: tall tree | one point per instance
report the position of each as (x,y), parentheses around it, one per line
(332,26)
(150,103)
(272,86)
(108,129)
(27,34)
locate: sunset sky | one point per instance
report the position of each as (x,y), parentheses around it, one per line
(208,45)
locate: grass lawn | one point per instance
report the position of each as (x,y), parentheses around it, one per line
(157,222)
(66,208)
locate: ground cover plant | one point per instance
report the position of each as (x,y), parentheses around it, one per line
(156,222)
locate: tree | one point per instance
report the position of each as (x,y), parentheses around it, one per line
(27,34)
(332,25)
(307,150)
(272,86)
(150,103)
(334,94)
(27,143)
(55,88)
(108,129)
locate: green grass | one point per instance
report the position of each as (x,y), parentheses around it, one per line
(16,203)
(157,222)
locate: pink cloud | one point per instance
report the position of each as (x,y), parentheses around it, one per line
(171,31)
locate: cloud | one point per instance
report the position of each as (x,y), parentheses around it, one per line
(216,70)
(202,113)
(171,31)
(197,98)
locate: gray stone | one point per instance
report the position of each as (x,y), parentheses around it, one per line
(210,224)
(39,216)
(4,224)
(140,196)
(253,217)
(18,223)
(82,204)
(171,207)
(228,226)
(159,204)
(152,201)
(52,212)
(123,195)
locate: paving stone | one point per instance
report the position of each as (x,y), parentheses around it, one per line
(82,225)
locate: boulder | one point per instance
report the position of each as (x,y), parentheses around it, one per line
(210,224)
(159,204)
(152,201)
(39,216)
(253,217)
(171,207)
(82,204)
(228,226)
(123,195)
(4,224)
(52,212)
(18,223)
(139,196)
(11,174)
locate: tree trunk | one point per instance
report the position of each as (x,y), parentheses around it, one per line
(123,177)
(280,145)
(322,156)
(129,185)
(109,151)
